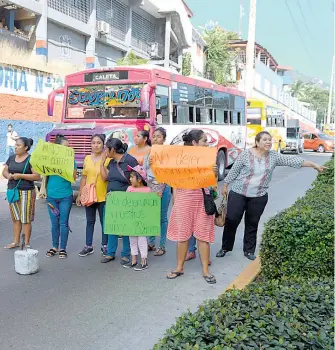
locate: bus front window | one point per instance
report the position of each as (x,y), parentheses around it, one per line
(104,102)
(254,116)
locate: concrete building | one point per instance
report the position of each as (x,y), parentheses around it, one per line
(42,40)
(271,82)
(98,32)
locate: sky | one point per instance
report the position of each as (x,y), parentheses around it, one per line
(309,52)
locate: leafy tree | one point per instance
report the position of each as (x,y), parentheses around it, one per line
(187,64)
(131,60)
(218,53)
(297,89)
(318,100)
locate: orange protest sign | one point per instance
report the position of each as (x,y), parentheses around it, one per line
(185,167)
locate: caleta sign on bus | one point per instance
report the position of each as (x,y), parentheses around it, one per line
(23,81)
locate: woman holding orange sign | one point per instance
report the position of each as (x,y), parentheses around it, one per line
(189,216)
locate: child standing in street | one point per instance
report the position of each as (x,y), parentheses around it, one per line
(138,180)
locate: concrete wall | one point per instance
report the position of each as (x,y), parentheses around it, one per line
(34,130)
(106,56)
(65,44)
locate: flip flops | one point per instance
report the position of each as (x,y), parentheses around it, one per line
(174,274)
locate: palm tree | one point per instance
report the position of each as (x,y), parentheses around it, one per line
(297,89)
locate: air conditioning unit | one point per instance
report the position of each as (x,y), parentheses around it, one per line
(155,50)
(103,27)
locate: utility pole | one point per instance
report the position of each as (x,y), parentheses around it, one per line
(241,19)
(250,73)
(331,102)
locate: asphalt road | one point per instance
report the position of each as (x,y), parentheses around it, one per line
(79,303)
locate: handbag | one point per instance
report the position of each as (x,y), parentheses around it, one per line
(88,195)
(220,217)
(210,206)
(13,194)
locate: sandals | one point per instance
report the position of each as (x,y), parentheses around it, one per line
(210,279)
(11,246)
(62,254)
(160,251)
(51,252)
(174,274)
(151,247)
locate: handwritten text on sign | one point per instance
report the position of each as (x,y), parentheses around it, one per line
(133,214)
(52,159)
(185,167)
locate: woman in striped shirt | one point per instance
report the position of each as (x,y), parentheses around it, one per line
(250,177)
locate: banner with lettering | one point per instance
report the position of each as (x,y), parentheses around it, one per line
(52,159)
(133,214)
(184,167)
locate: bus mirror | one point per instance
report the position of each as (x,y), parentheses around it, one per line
(51,100)
(146,92)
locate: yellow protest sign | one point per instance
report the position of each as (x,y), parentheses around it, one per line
(185,167)
(52,159)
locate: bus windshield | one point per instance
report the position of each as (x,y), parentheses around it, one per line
(254,116)
(104,102)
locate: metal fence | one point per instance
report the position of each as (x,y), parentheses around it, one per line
(143,32)
(78,9)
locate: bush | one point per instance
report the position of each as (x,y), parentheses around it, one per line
(277,314)
(299,241)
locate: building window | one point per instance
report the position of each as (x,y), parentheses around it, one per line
(115,14)
(143,32)
(78,9)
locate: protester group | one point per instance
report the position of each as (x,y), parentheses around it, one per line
(112,168)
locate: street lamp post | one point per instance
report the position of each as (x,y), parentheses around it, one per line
(249,78)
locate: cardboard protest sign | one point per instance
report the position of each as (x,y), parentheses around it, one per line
(52,159)
(184,167)
(133,214)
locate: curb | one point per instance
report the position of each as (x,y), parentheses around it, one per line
(247,276)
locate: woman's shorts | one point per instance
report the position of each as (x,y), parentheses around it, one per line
(24,209)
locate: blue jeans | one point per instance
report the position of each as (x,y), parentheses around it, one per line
(192,244)
(166,198)
(113,241)
(91,214)
(60,225)
(10,150)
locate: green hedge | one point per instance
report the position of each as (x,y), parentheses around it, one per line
(299,241)
(277,314)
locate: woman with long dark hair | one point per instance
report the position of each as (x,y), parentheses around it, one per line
(142,146)
(189,216)
(59,199)
(163,190)
(250,177)
(91,175)
(21,177)
(117,175)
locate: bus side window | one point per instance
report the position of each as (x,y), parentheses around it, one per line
(184,115)
(230,117)
(197,116)
(268,121)
(191,115)
(220,117)
(226,121)
(239,119)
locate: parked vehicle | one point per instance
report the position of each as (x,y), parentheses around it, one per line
(262,116)
(122,100)
(319,142)
(329,129)
(294,138)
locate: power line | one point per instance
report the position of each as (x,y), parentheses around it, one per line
(303,16)
(298,31)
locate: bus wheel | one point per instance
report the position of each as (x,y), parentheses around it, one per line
(221,163)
